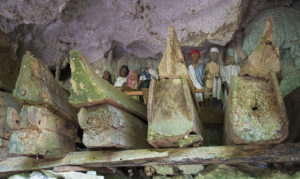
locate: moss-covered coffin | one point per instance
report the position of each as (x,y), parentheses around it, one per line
(6,100)
(38,131)
(37,86)
(108,126)
(255,112)
(88,89)
(172,116)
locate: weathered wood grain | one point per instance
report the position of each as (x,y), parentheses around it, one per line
(38,131)
(88,89)
(37,86)
(6,100)
(172,116)
(255,112)
(176,156)
(108,126)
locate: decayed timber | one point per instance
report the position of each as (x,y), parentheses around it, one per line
(255,112)
(6,100)
(265,57)
(108,126)
(9,64)
(37,86)
(172,112)
(172,116)
(172,64)
(88,89)
(38,131)
(175,156)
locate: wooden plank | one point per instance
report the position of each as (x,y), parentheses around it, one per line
(88,89)
(108,126)
(172,116)
(176,156)
(134,93)
(6,100)
(38,131)
(255,112)
(37,86)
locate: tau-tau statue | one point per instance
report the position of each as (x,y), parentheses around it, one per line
(145,77)
(212,74)
(132,81)
(196,72)
(173,119)
(227,71)
(122,79)
(107,77)
(255,110)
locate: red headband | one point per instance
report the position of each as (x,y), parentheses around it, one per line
(195,51)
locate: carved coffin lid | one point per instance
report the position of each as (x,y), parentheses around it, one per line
(265,57)
(172,64)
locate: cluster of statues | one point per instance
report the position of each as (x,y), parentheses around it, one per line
(213,77)
(131,80)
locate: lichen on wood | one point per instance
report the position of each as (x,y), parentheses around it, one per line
(255,112)
(88,89)
(37,86)
(38,131)
(108,126)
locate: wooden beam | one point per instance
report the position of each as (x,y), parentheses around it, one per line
(173,156)
(140,93)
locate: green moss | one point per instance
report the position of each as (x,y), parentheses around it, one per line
(188,140)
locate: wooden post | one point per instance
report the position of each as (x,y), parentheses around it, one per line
(37,86)
(108,126)
(38,131)
(88,89)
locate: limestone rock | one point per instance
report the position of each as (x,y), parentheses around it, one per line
(139,27)
(265,57)
(190,169)
(221,171)
(164,169)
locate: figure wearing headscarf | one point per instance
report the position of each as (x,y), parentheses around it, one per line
(122,79)
(146,75)
(227,71)
(132,81)
(196,72)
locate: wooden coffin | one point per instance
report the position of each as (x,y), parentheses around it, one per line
(6,101)
(255,112)
(37,86)
(108,126)
(38,131)
(88,89)
(172,116)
